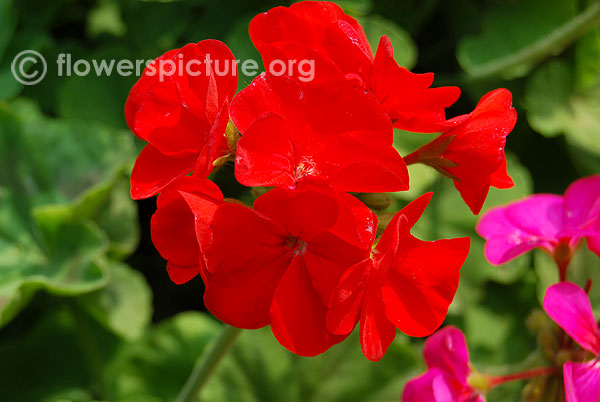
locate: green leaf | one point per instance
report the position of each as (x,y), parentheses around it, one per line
(49,199)
(66,261)
(7,24)
(355,7)
(405,50)
(139,373)
(512,35)
(585,265)
(105,18)
(257,369)
(554,106)
(54,353)
(125,305)
(587,60)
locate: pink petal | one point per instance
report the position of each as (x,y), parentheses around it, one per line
(517,228)
(569,306)
(447,350)
(593,243)
(433,386)
(582,203)
(582,381)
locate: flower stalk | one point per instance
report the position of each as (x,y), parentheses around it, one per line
(207,363)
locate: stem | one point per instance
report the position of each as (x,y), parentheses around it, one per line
(551,44)
(523,375)
(207,363)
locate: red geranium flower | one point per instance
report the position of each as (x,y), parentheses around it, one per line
(182,112)
(472,153)
(180,225)
(290,131)
(278,263)
(407,284)
(321,31)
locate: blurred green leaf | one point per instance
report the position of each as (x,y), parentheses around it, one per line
(156,367)
(92,98)
(355,7)
(405,50)
(125,305)
(257,369)
(587,60)
(7,24)
(508,28)
(555,107)
(54,354)
(585,265)
(54,181)
(105,18)
(64,259)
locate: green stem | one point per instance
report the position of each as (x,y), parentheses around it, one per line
(207,363)
(551,44)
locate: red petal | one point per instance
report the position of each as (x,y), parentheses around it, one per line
(153,171)
(500,178)
(175,227)
(358,162)
(376,331)
(180,275)
(303,213)
(407,97)
(347,298)
(140,90)
(298,313)
(401,224)
(246,259)
(421,283)
(477,148)
(265,154)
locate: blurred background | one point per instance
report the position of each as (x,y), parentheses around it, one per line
(87,311)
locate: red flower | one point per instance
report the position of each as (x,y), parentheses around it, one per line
(290,131)
(407,284)
(278,263)
(180,225)
(472,153)
(320,31)
(182,112)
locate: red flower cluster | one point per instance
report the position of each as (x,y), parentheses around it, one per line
(302,259)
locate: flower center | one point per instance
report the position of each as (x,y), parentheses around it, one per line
(306,167)
(296,245)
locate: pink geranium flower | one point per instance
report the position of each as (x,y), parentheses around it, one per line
(554,223)
(569,306)
(446,379)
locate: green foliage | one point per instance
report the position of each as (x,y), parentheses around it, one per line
(507,30)
(75,318)
(257,369)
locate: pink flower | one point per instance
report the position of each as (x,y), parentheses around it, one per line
(447,359)
(569,306)
(551,222)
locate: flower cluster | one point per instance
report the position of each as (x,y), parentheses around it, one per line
(557,225)
(305,257)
